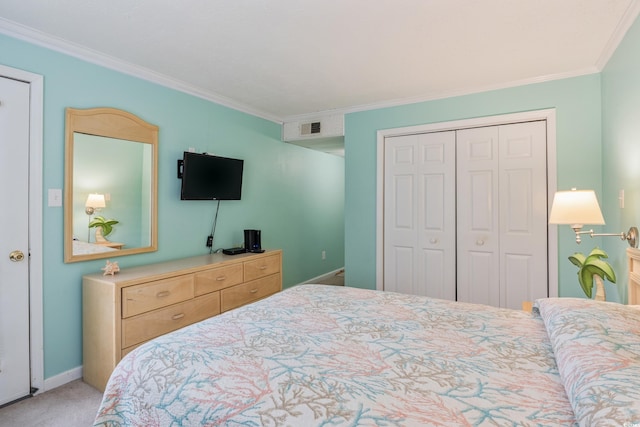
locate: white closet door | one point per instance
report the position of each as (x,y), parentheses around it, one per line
(502,215)
(419,244)
(478,239)
(523,213)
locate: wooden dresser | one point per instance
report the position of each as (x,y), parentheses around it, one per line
(123,311)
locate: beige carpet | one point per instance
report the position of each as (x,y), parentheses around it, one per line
(335,280)
(71,405)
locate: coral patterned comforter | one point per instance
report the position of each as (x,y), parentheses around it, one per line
(318,355)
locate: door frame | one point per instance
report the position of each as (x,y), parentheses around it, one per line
(552,230)
(36,326)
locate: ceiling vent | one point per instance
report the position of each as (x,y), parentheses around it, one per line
(310,128)
(321,134)
(323,127)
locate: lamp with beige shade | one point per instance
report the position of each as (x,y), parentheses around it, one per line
(579,207)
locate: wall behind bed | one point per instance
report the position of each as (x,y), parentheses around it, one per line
(578,114)
(621,147)
(294,195)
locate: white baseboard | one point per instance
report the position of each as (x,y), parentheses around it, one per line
(322,276)
(61,379)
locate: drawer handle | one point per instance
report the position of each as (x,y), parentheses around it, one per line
(264,267)
(163,294)
(253,291)
(221,278)
(177,316)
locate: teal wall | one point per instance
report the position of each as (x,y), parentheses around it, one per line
(578,114)
(294,195)
(621,147)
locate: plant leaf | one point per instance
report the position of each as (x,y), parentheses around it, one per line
(577,259)
(602,269)
(586,282)
(599,253)
(106,224)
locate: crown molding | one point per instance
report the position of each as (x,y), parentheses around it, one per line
(623,26)
(436,95)
(30,35)
(21,32)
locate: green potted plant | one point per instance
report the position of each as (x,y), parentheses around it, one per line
(592,268)
(103,227)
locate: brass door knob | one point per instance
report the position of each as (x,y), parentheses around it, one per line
(16,256)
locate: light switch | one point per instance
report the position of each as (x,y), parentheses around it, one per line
(55,197)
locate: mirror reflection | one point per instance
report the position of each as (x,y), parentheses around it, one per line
(110,185)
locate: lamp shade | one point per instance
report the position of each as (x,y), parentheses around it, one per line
(575,207)
(95,201)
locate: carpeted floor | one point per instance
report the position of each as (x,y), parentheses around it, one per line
(71,405)
(336,280)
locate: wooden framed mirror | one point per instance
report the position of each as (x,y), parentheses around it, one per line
(111,182)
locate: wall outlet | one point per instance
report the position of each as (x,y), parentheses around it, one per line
(324,255)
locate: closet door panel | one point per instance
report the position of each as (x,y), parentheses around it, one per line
(419,201)
(437,223)
(400,219)
(523,213)
(477,215)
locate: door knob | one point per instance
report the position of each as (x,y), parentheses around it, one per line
(16,256)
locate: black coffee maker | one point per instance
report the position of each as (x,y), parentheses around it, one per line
(252,241)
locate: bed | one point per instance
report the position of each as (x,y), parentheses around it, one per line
(84,248)
(317,355)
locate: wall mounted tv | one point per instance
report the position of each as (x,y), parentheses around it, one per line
(206,177)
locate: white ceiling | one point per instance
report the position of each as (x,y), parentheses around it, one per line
(289,59)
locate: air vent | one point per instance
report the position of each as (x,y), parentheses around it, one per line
(310,128)
(313,128)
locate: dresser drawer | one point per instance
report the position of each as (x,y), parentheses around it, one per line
(245,293)
(218,278)
(261,267)
(149,296)
(146,326)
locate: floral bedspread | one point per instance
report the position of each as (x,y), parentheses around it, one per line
(597,349)
(318,355)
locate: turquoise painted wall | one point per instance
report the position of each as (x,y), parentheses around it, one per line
(621,148)
(577,102)
(294,195)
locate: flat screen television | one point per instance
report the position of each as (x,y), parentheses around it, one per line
(206,177)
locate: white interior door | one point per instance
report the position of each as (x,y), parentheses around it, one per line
(14,274)
(419,226)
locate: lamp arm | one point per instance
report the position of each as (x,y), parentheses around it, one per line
(576,229)
(622,235)
(630,236)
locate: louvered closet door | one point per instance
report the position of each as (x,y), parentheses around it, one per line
(502,216)
(419,219)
